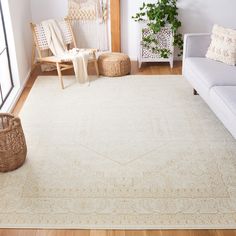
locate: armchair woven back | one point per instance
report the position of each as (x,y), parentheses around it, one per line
(40,36)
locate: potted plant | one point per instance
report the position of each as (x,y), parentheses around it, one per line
(158,15)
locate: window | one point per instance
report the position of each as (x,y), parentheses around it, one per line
(6,82)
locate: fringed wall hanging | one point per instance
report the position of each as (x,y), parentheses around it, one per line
(90,23)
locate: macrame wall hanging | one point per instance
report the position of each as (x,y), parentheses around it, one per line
(90,23)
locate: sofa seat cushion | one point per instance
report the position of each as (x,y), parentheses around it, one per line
(211,73)
(225,96)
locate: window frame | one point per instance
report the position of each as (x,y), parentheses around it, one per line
(4,99)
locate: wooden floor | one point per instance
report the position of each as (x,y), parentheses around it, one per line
(147,69)
(117,233)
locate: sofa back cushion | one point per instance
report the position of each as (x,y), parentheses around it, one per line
(223,45)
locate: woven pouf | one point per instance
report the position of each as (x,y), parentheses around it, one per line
(114,64)
(13,148)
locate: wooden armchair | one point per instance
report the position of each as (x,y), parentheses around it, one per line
(40,46)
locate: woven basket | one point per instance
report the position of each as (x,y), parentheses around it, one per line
(13,148)
(114,64)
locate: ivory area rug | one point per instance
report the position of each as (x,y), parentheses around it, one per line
(139,152)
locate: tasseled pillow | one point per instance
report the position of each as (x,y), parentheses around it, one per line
(223,45)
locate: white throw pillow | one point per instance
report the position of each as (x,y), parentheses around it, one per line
(223,45)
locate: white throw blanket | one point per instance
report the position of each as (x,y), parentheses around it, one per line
(80,62)
(57,46)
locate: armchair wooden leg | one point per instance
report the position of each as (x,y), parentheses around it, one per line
(96,68)
(60,75)
(33,63)
(195,93)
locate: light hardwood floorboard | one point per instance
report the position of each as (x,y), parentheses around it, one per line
(147,69)
(37,232)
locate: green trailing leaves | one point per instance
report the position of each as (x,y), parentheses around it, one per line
(158,15)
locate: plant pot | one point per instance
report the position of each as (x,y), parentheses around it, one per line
(164,37)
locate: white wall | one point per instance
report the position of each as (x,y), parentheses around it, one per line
(54,9)
(19,38)
(47,9)
(196,16)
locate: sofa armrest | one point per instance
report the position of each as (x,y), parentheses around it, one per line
(196,45)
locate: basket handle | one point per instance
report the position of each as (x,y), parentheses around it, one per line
(6,115)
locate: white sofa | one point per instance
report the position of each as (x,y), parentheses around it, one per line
(214,81)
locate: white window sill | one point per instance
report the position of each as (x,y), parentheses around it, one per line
(11,100)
